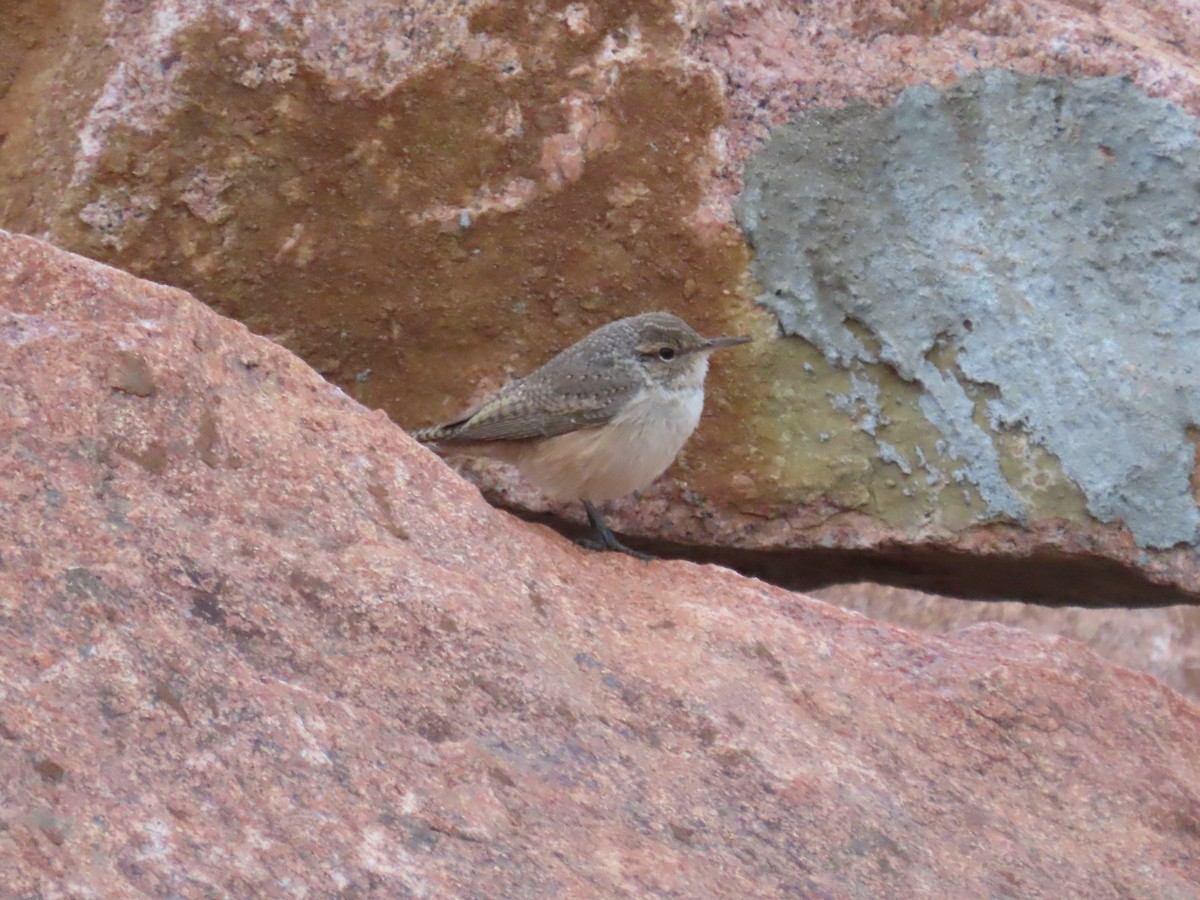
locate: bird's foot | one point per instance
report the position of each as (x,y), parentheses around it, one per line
(614,545)
(603,538)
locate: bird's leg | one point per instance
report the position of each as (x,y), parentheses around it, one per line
(604,538)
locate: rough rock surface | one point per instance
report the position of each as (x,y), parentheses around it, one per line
(423,201)
(1164,642)
(258,642)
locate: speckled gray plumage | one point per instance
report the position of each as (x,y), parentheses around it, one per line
(584,386)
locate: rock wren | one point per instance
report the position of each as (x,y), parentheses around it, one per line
(600,420)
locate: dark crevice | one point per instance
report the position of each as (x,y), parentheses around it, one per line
(1049,577)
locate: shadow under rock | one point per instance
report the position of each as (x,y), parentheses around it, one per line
(1048,577)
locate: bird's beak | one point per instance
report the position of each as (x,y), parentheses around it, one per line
(718,343)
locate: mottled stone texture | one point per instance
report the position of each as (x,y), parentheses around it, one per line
(424,199)
(1164,642)
(257,642)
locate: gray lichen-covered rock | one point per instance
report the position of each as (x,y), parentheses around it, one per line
(1025,250)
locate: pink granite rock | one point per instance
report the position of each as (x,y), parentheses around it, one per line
(1164,642)
(255,641)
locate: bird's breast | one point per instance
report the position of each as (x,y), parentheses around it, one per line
(661,417)
(622,456)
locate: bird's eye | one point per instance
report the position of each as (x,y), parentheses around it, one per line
(666,353)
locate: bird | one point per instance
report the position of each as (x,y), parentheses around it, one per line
(601,420)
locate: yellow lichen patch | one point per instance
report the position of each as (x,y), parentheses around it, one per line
(852,439)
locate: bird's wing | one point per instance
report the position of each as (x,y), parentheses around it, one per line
(533,408)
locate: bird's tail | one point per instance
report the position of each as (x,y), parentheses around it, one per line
(432,434)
